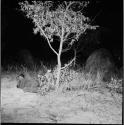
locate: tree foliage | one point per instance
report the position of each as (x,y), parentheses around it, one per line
(63,22)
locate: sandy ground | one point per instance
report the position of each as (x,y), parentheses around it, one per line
(90,107)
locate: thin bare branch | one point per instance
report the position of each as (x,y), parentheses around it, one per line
(66,49)
(47,39)
(66,65)
(70,3)
(75,57)
(51,46)
(76,2)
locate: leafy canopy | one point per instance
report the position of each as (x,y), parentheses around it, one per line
(60,21)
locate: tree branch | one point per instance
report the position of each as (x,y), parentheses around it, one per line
(51,47)
(66,49)
(70,3)
(75,57)
(46,38)
(66,65)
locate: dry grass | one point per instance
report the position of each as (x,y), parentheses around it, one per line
(70,79)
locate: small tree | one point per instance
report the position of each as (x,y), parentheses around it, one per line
(65,21)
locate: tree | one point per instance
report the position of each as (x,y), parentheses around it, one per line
(64,20)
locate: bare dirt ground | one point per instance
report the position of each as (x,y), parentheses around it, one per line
(82,106)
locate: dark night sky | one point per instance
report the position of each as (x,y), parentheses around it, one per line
(17,31)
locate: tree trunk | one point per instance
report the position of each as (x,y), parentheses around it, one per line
(58,70)
(59,64)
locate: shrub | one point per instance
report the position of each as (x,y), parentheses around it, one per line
(100,61)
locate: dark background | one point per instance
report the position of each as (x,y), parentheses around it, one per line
(17,33)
